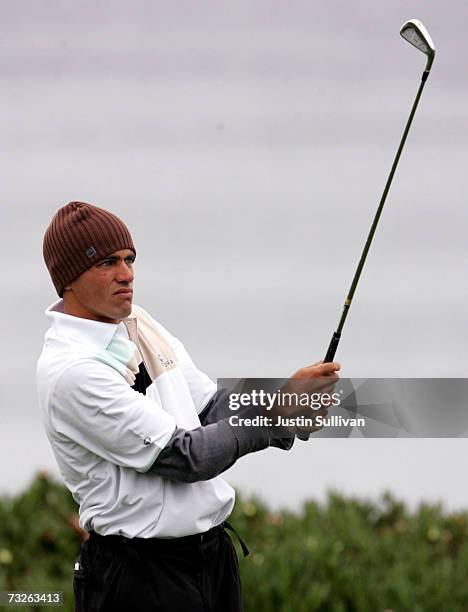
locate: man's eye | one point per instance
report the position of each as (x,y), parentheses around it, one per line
(108,262)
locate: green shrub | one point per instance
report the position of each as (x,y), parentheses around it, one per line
(344,555)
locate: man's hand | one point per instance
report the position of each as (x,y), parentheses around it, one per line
(316,382)
(318,369)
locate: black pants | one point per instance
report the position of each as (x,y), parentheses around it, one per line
(197,573)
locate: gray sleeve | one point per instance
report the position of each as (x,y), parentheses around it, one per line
(216,409)
(205,452)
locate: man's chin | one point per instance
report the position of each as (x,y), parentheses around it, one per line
(125,311)
(119,313)
(128,311)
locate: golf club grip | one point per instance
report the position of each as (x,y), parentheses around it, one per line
(332,348)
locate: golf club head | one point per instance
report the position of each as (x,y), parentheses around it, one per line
(415,33)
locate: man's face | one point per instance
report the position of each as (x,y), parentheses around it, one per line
(104,292)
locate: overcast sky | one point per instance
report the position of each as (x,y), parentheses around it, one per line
(246,145)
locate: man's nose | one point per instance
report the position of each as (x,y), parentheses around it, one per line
(125,272)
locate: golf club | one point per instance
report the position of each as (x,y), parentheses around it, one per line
(415,33)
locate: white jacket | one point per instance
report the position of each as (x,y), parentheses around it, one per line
(105,435)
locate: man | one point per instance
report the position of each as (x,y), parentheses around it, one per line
(138,433)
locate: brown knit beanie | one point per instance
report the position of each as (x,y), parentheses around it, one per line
(79,236)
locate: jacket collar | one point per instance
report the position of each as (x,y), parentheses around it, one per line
(83,331)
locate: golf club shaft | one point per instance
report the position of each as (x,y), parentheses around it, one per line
(337,334)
